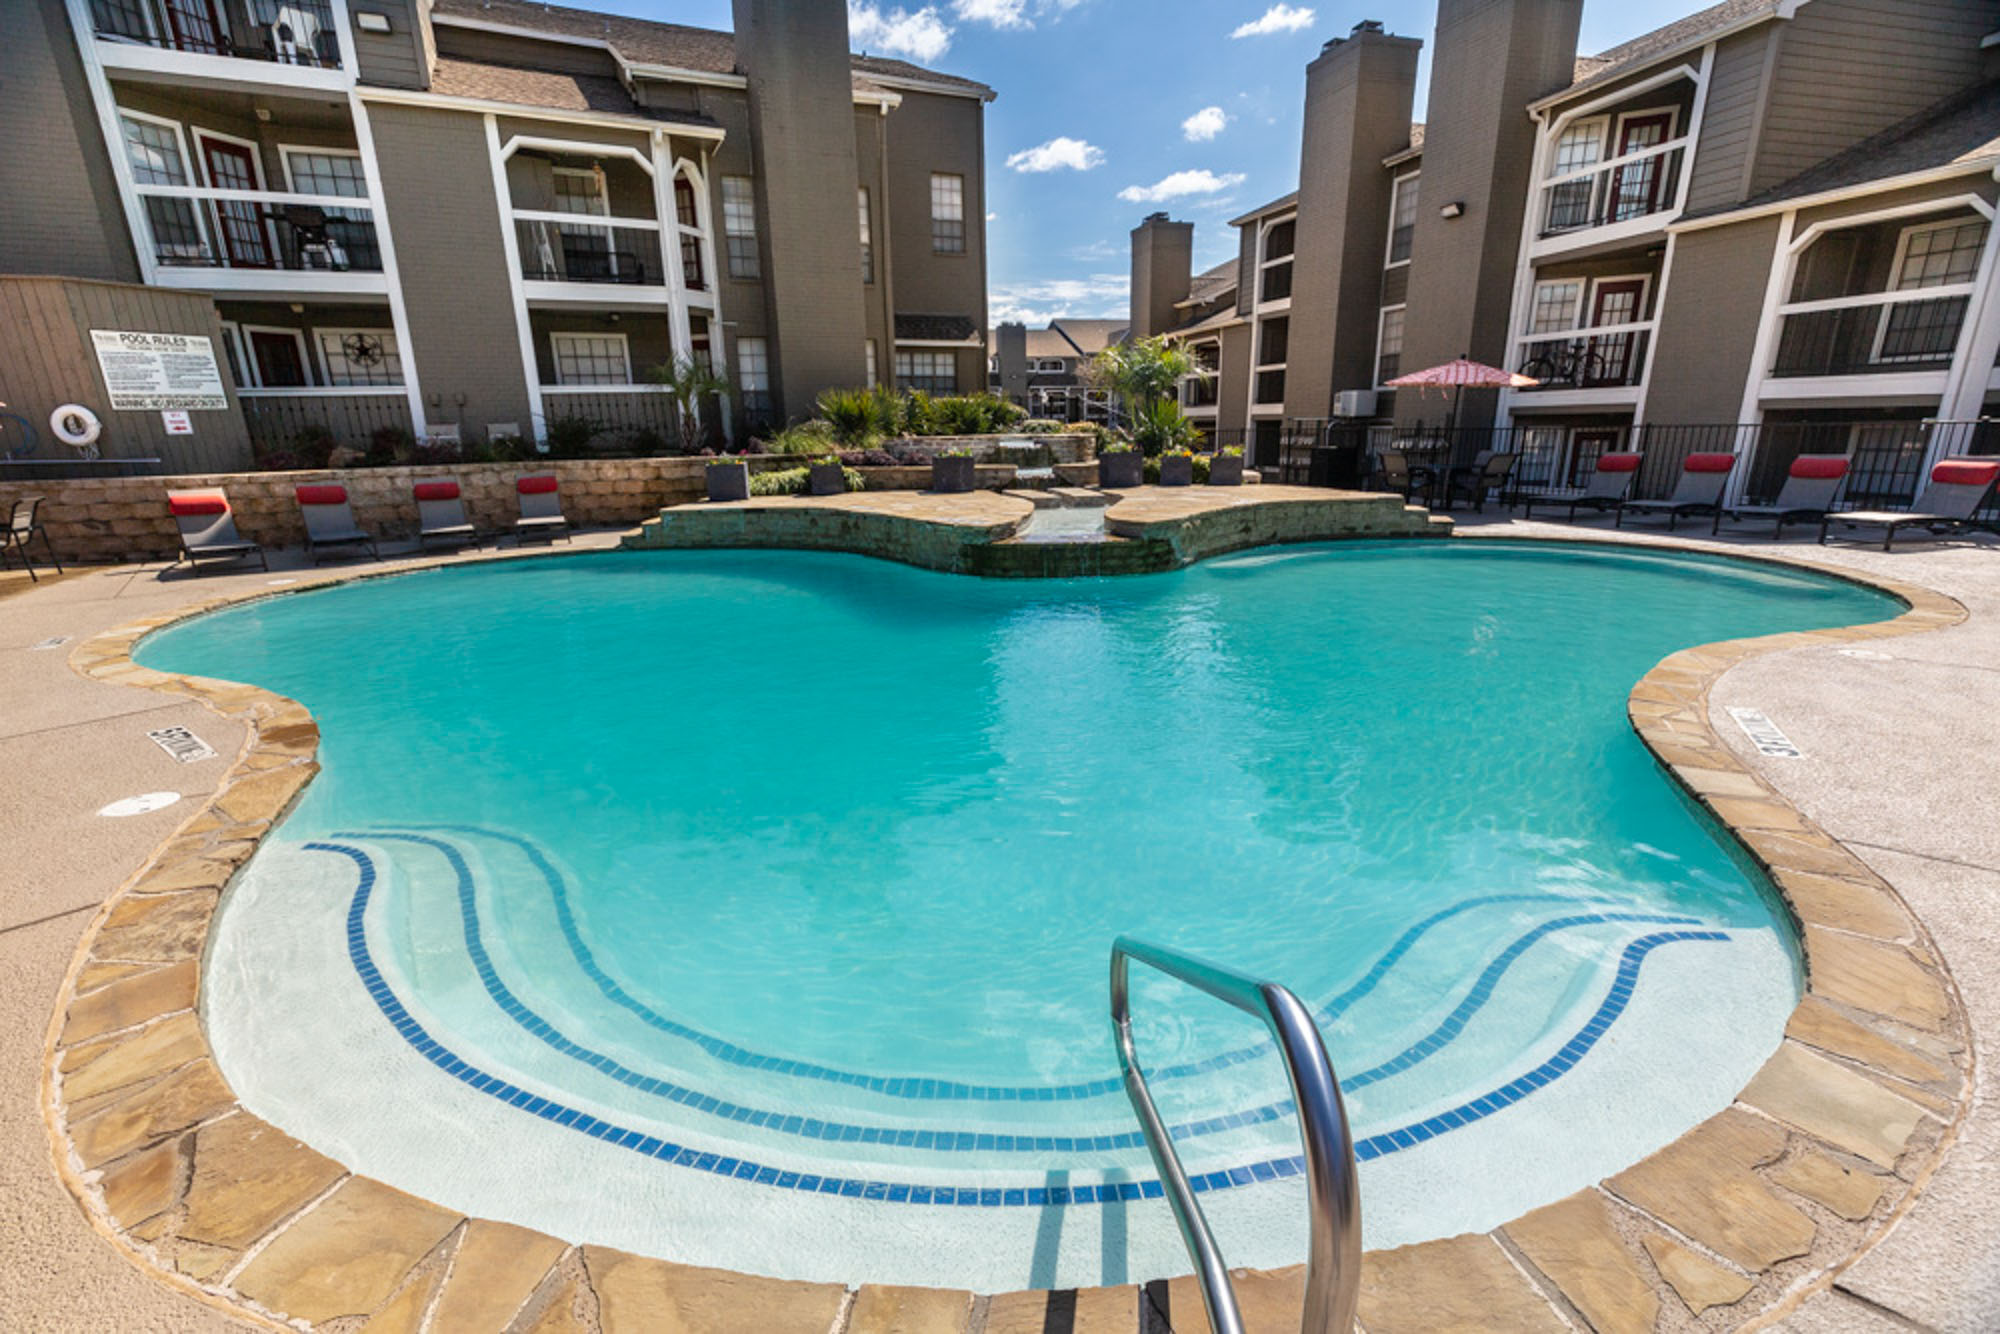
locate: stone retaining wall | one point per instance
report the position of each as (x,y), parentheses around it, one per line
(1064,448)
(114,519)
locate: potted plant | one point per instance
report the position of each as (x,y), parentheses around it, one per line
(1225,467)
(728,479)
(827,478)
(1177,467)
(953,470)
(1120,465)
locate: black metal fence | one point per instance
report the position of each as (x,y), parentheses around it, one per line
(276,421)
(620,420)
(1887,457)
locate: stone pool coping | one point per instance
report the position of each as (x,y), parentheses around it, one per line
(1739,1219)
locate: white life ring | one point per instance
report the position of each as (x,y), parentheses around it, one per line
(78,427)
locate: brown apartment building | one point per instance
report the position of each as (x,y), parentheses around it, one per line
(494,214)
(1765,227)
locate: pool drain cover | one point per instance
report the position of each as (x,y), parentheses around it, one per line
(143,804)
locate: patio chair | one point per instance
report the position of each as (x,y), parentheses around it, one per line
(541,509)
(441,514)
(21,528)
(1958,487)
(208,529)
(1810,486)
(1699,491)
(330,522)
(1393,466)
(1488,471)
(1607,489)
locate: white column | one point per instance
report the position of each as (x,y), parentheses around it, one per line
(670,246)
(503,200)
(1979,343)
(101,96)
(1751,411)
(399,314)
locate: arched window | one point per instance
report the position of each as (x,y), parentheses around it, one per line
(687,223)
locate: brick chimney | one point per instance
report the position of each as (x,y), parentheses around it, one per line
(1010,346)
(1162,269)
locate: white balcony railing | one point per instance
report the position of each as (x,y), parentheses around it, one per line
(576,248)
(295,41)
(1607,356)
(1623,189)
(1877,333)
(192,228)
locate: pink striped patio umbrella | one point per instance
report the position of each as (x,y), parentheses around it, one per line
(1463,373)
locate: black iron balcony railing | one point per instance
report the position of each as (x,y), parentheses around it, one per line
(253,229)
(285,32)
(1611,357)
(1881,333)
(1636,185)
(565,251)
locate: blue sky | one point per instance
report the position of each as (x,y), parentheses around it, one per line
(1112,109)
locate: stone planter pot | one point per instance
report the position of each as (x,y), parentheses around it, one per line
(1123,469)
(1225,470)
(728,481)
(953,474)
(827,479)
(1176,470)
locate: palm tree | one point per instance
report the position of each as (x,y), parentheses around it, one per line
(1146,376)
(691,383)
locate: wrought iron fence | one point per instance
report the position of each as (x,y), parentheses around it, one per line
(1875,337)
(278,418)
(582,252)
(639,419)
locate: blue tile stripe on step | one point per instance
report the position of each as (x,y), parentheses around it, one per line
(662,1150)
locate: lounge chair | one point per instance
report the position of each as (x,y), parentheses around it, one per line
(441,514)
(1811,483)
(208,529)
(330,522)
(1958,487)
(541,509)
(1488,471)
(1607,489)
(1699,491)
(20,529)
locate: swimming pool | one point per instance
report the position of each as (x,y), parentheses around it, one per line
(751,909)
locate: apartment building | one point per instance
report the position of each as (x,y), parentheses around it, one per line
(492,215)
(1766,227)
(1046,371)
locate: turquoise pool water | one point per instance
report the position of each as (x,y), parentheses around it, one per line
(808,866)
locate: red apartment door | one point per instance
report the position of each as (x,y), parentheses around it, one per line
(193,26)
(279,364)
(1635,189)
(1613,303)
(241,223)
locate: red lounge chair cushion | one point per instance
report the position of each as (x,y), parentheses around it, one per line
(1819,466)
(1965,472)
(195,506)
(321,495)
(536,486)
(437,490)
(1618,463)
(1706,462)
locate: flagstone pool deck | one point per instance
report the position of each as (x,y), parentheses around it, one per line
(1848,1189)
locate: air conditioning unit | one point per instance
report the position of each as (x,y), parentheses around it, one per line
(1354,403)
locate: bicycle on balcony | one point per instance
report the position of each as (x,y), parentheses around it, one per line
(1574,365)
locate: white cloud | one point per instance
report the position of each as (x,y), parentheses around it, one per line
(1198,182)
(921,34)
(999,13)
(1056,154)
(1204,124)
(1099,296)
(1278,18)
(993,217)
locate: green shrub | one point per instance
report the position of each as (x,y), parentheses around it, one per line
(1043,426)
(569,436)
(1163,426)
(313,445)
(389,445)
(855,416)
(784,482)
(1201,470)
(813,437)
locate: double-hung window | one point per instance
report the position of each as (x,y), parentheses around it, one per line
(591,358)
(929,372)
(1389,346)
(158,156)
(1402,218)
(753,375)
(867,238)
(739,227)
(947,214)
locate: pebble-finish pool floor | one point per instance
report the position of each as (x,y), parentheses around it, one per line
(755,905)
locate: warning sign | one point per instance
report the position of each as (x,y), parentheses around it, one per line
(149,372)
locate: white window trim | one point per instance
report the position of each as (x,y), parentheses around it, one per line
(306,361)
(1264,228)
(756,227)
(703,231)
(1381,322)
(1645,281)
(285,152)
(232,334)
(1673,115)
(1910,233)
(1940,292)
(555,354)
(1389,242)
(1601,125)
(326,372)
(601,197)
(963,219)
(1257,348)
(865,209)
(197,133)
(1532,335)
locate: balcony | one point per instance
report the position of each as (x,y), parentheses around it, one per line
(1611,356)
(560,248)
(1270,386)
(296,42)
(1882,333)
(1200,392)
(1633,192)
(260,241)
(630,417)
(284,420)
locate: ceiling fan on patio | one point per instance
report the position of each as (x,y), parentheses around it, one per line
(362,349)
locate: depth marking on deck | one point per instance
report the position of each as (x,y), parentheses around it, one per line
(53,641)
(1765,734)
(182,744)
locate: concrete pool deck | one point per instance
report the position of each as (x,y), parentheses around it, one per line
(1865,724)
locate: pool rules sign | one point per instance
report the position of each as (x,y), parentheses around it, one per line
(154,372)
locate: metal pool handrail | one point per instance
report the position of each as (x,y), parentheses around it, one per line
(1333,1191)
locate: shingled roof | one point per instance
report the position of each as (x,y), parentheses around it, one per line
(1212,285)
(648,42)
(935,328)
(1622,59)
(518,86)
